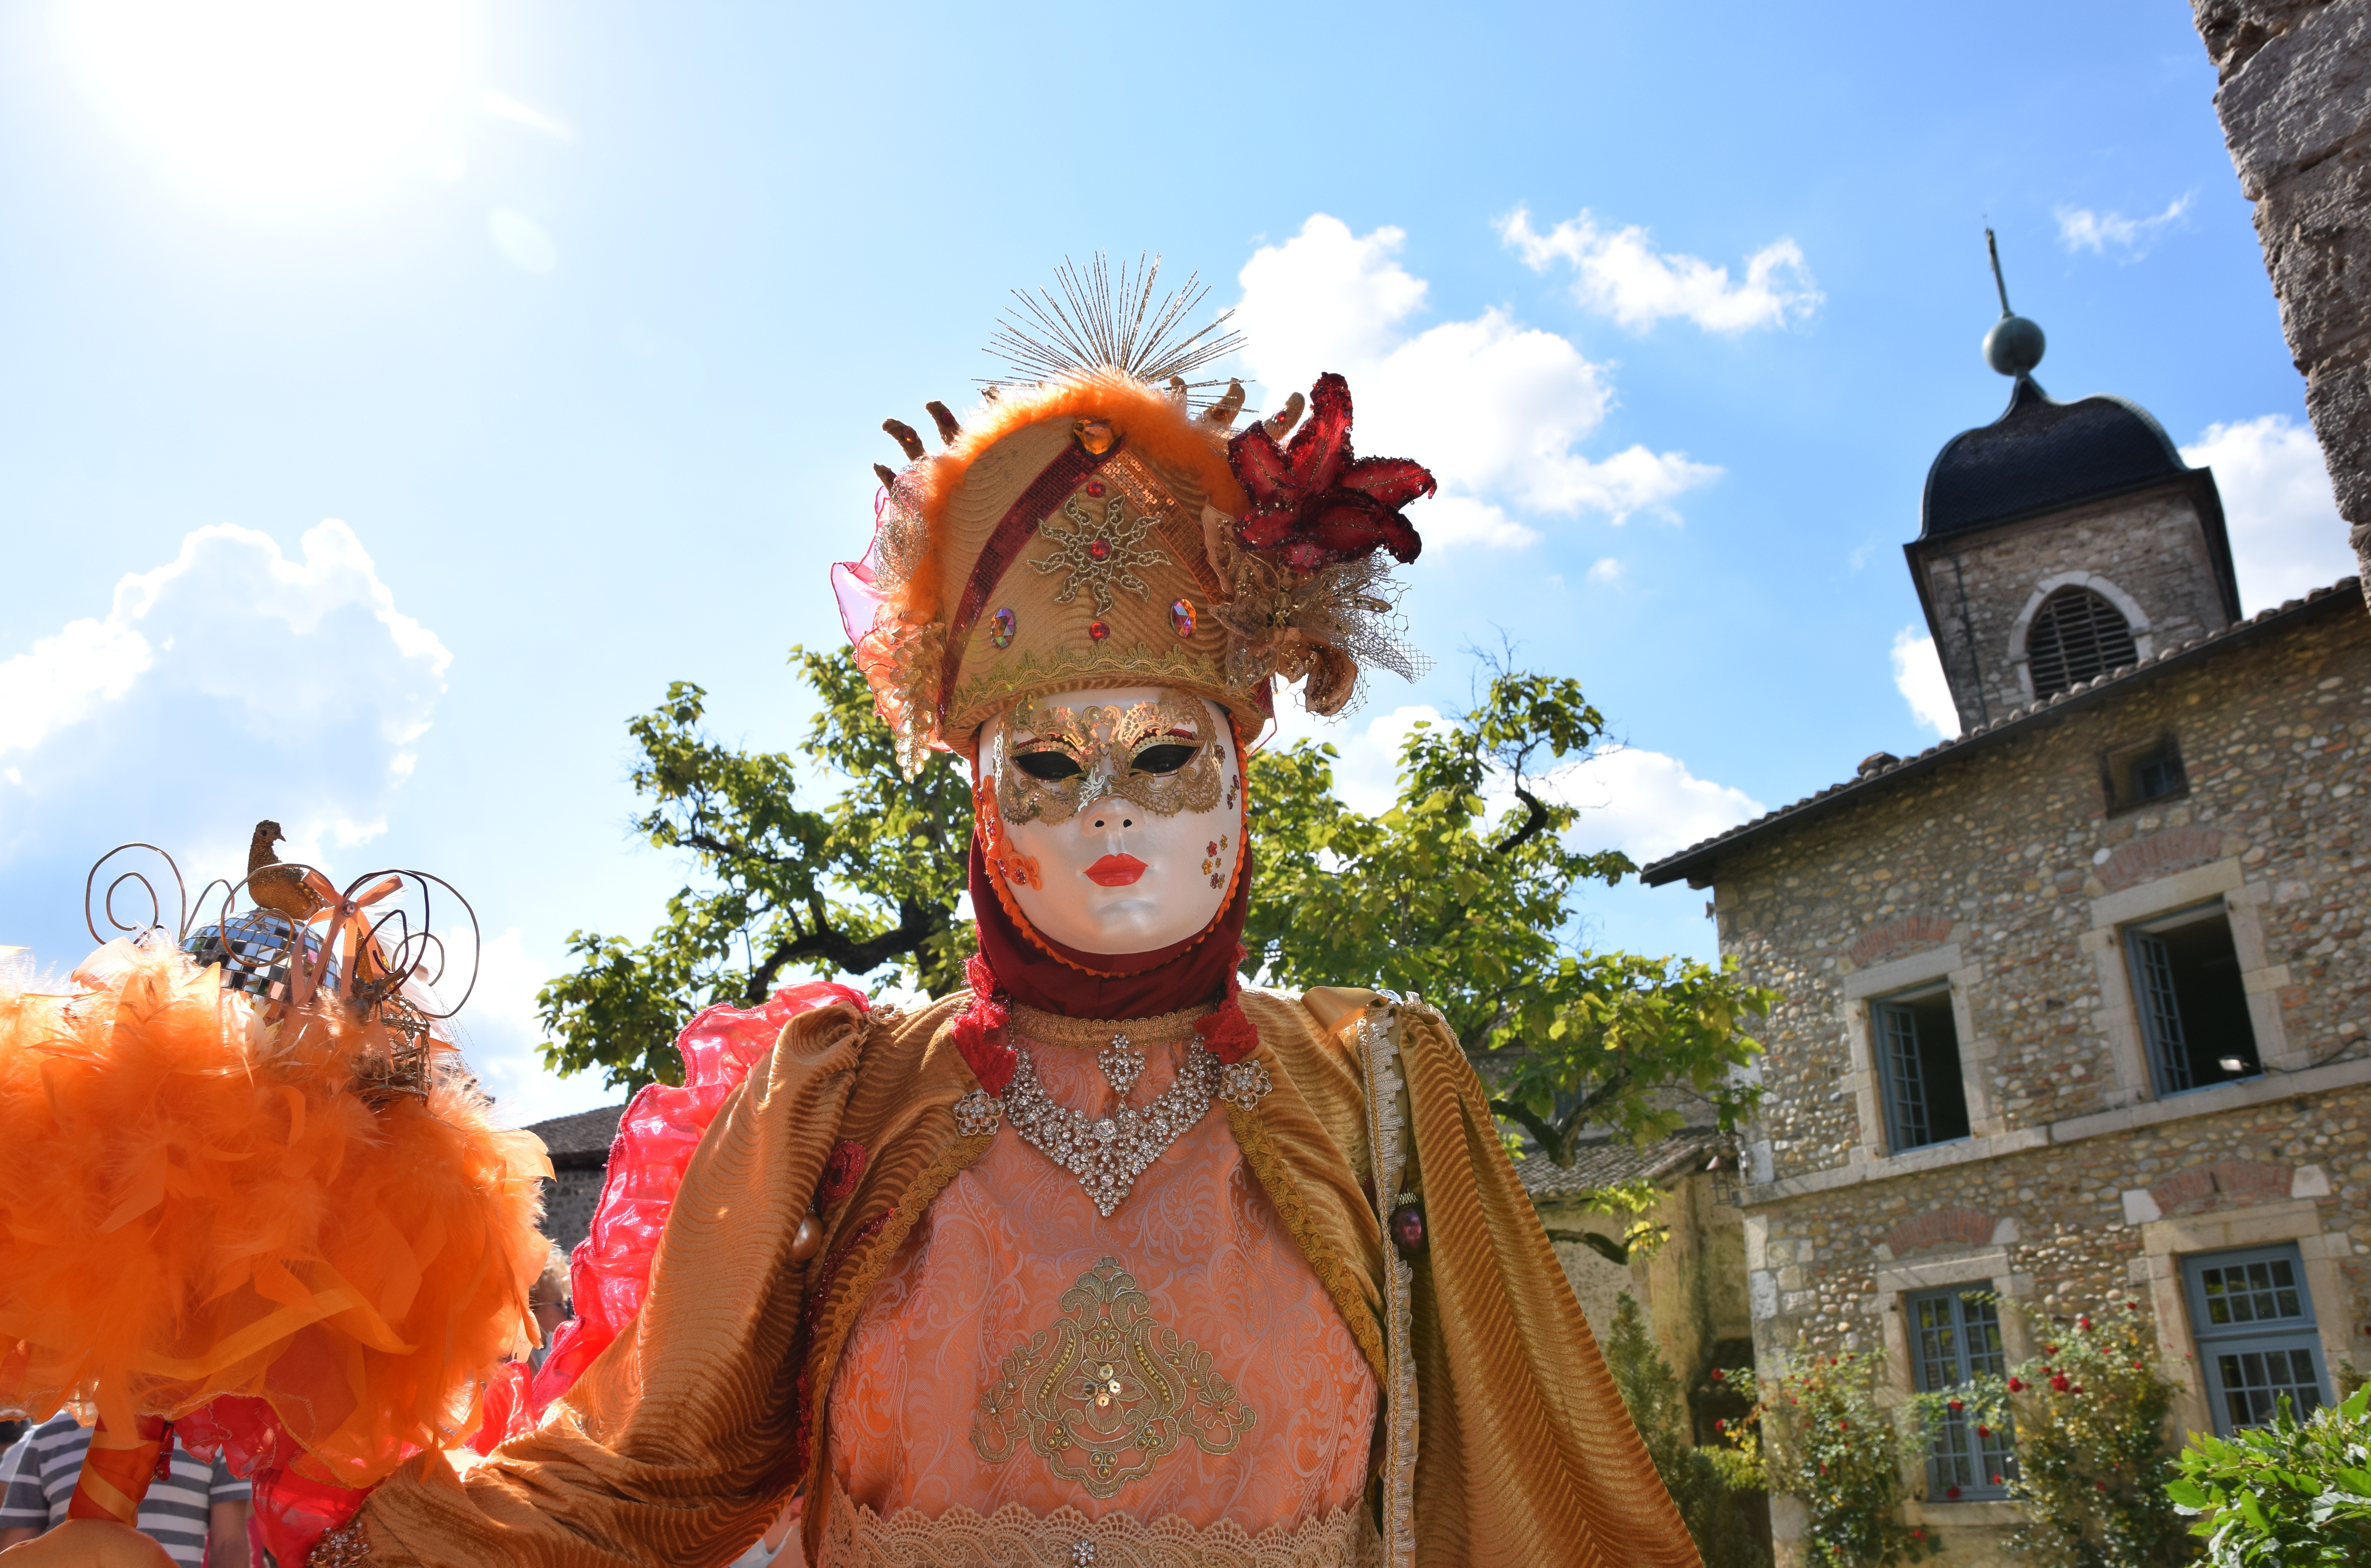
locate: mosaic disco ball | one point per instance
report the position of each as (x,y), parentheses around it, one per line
(253,950)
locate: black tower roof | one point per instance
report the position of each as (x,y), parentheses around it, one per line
(2042,454)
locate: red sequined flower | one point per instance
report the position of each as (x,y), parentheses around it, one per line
(840,1172)
(1313,502)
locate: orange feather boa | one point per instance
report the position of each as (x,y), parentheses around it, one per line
(193,1206)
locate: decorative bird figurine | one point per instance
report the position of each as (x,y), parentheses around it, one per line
(275,886)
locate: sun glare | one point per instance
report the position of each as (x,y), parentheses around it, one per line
(277,99)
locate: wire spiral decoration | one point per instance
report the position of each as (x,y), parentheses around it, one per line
(106,904)
(275,957)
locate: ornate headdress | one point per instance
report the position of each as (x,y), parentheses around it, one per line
(1093,527)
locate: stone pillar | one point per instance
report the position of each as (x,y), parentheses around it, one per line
(2294,97)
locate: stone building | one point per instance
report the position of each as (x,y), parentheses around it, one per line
(579,1147)
(1690,1281)
(2294,92)
(2075,1003)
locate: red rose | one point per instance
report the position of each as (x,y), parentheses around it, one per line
(1721,1427)
(1716,1374)
(2016,1386)
(1983,1431)
(2082,1322)
(2101,1484)
(1951,1491)
(1957,1407)
(2058,1383)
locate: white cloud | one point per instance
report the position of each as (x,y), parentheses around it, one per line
(1918,677)
(1618,273)
(1494,409)
(227,685)
(1646,803)
(1366,775)
(2286,537)
(2080,229)
(503,107)
(502,1038)
(522,241)
(62,678)
(1606,570)
(1643,803)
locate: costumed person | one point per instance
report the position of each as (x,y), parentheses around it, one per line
(1112,1259)
(253,1214)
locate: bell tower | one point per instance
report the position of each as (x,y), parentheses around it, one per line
(2062,540)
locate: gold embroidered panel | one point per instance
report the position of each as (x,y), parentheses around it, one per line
(1106,1392)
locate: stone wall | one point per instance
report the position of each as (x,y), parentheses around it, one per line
(2146,552)
(568,1200)
(2296,104)
(2006,874)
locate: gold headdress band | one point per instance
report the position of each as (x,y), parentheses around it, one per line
(1093,530)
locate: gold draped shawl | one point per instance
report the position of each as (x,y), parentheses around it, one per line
(679,1442)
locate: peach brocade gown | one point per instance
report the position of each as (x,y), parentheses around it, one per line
(932,1407)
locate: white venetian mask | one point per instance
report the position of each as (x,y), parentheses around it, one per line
(1121,813)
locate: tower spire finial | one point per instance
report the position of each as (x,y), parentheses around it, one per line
(1992,249)
(2014,345)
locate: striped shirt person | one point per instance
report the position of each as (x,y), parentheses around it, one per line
(181,1511)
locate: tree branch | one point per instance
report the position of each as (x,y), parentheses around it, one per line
(728,853)
(1537,820)
(1532,1123)
(916,924)
(1615,1252)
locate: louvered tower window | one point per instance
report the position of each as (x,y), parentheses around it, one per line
(2075,635)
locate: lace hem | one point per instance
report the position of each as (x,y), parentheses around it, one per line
(1013,1537)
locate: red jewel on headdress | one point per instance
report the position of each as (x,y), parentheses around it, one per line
(1098,630)
(1099,549)
(1094,487)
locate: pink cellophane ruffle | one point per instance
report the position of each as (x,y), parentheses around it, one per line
(610,1270)
(291,1510)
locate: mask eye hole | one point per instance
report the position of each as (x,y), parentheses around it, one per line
(1050,766)
(1166,757)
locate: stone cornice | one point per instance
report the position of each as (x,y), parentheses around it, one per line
(2146,1113)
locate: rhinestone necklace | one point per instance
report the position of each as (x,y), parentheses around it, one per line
(1108,1153)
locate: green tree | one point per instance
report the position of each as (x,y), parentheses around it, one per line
(1476,911)
(850,868)
(1719,1514)
(2284,1495)
(856,875)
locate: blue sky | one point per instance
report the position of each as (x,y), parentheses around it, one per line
(580,322)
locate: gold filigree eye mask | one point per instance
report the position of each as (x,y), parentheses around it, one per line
(1052,763)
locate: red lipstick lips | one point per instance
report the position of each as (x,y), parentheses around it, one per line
(1116,871)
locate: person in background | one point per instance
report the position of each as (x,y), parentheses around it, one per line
(776,1548)
(548,1301)
(198,1512)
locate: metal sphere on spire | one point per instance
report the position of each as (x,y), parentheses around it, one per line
(2014,344)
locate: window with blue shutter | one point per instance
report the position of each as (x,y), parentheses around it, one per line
(2252,1318)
